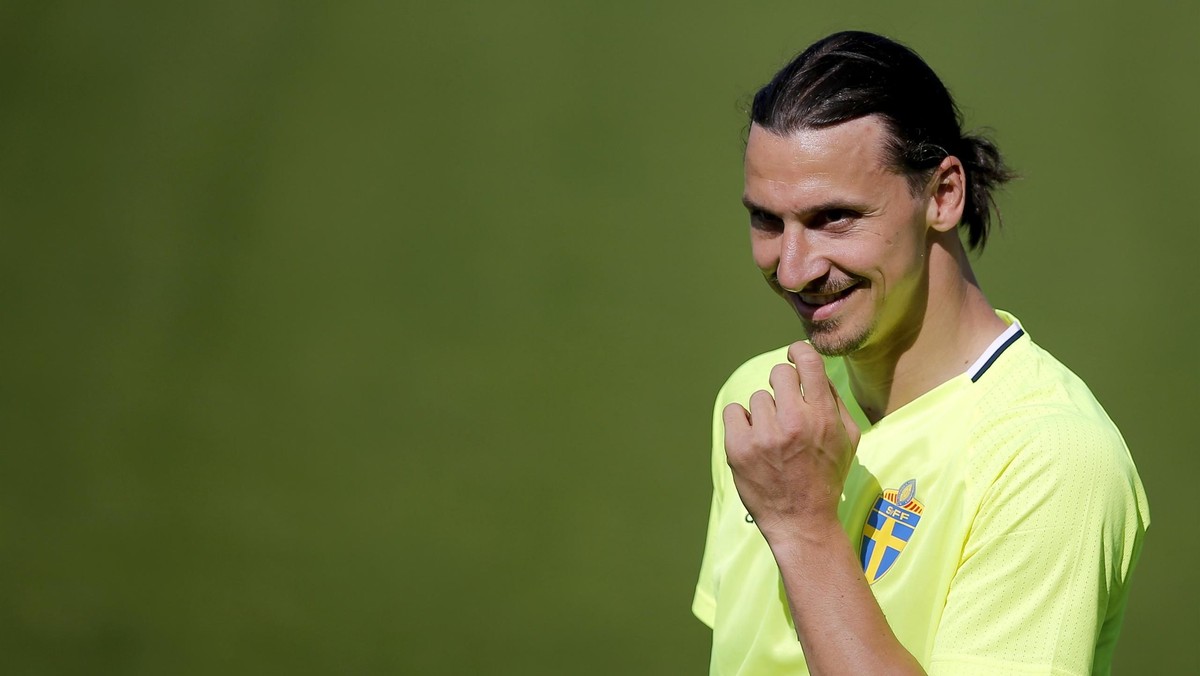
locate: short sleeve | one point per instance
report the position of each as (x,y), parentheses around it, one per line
(704,603)
(1042,582)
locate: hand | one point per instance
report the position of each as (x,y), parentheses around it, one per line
(790,453)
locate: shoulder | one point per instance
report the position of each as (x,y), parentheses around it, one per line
(1031,397)
(752,375)
(1040,432)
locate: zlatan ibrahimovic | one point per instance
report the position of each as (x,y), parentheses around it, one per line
(919,487)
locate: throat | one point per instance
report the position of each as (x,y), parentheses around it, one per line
(872,396)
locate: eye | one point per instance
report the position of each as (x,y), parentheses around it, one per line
(835,216)
(761,220)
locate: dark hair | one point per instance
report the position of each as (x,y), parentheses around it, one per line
(853,74)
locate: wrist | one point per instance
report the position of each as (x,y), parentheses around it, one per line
(808,534)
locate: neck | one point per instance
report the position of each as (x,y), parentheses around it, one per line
(956,327)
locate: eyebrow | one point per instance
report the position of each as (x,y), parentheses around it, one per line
(750,205)
(829,205)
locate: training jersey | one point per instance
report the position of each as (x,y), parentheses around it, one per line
(997,519)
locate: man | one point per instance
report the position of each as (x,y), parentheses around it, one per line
(919,487)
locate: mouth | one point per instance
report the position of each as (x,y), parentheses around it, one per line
(816,307)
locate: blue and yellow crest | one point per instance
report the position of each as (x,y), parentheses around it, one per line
(889,526)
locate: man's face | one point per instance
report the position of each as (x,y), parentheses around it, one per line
(838,234)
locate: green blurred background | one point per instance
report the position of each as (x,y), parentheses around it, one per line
(369,337)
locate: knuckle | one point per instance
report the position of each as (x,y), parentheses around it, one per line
(735,455)
(792,426)
(827,423)
(808,358)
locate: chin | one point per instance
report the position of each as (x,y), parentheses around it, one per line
(831,340)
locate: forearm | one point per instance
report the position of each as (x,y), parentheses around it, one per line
(840,625)
(790,454)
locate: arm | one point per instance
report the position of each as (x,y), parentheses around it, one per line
(790,455)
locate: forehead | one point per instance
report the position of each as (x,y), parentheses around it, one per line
(792,171)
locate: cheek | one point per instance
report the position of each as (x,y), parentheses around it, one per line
(907,266)
(765,253)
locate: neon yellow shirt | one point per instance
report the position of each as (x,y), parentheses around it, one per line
(998,518)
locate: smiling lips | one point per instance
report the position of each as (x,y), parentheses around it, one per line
(823,298)
(820,306)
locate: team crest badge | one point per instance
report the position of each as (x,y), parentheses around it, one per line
(890,525)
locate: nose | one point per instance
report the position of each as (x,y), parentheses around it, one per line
(800,262)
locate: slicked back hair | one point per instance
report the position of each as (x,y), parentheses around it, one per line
(854,74)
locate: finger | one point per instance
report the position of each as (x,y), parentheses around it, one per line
(786,384)
(847,420)
(737,431)
(811,369)
(736,419)
(762,406)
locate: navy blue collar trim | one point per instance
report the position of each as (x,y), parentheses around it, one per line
(994,350)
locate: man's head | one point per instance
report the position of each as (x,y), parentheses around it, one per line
(857,178)
(853,74)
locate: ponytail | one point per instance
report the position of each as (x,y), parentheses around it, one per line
(986,171)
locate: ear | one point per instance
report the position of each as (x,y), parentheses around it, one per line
(947,195)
